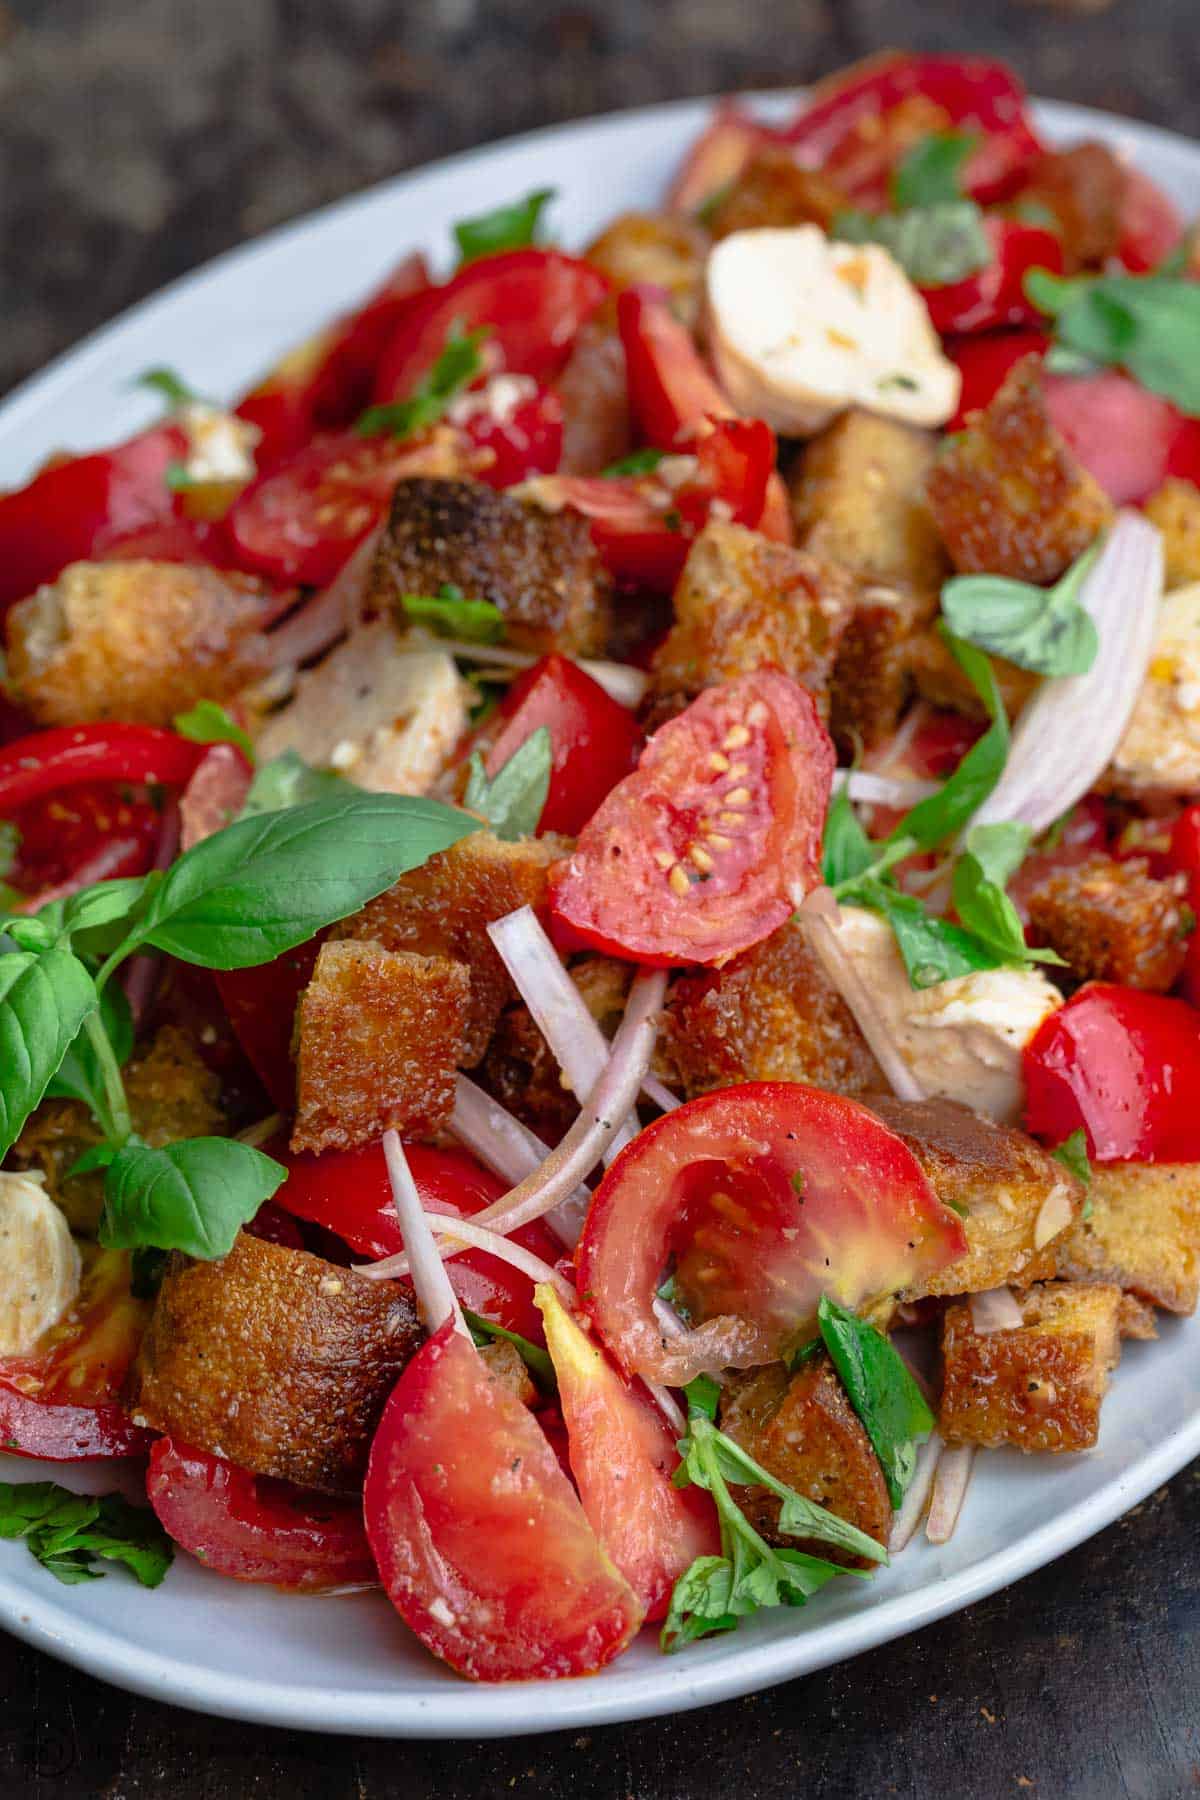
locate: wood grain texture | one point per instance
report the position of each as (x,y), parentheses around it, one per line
(137,138)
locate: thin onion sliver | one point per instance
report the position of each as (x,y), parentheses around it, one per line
(950,1485)
(905,1523)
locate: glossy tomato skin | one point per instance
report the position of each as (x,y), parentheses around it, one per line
(348,1192)
(994,297)
(260,1004)
(1122,434)
(63,1402)
(713,840)
(255,1529)
(516,442)
(1122,1064)
(594,741)
(62,834)
(481,1543)
(765,1196)
(984,363)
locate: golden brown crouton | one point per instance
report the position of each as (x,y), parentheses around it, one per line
(1008,495)
(803,1430)
(274,1359)
(742,601)
(520,1070)
(1175,509)
(1014,1197)
(1136,1319)
(444,909)
(1082,190)
(859,500)
(1037,1387)
(172,1094)
(1143,1232)
(1112,920)
(378,1038)
(872,677)
(773,191)
(540,569)
(661,248)
(772,1015)
(137,641)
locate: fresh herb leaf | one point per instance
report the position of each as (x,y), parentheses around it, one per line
(803,1353)
(455,369)
(934,950)
(66,1532)
(979,897)
(882,1391)
(287,780)
(931,172)
(193,1195)
(1146,324)
(638,462)
(536,1360)
(450,612)
(1000,849)
(934,245)
(1181,257)
(44,999)
(509,227)
(848,851)
(174,390)
(1048,630)
(513,800)
(178,478)
(944,814)
(208,723)
(703,1395)
(80,1075)
(1072,1153)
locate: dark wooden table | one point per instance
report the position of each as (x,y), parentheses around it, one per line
(137,138)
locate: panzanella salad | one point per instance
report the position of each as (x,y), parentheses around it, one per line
(598,983)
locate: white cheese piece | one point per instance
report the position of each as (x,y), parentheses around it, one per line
(962,1039)
(802,328)
(220,445)
(1161,746)
(40,1268)
(385,718)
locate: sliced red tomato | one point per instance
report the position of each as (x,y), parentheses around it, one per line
(1151,227)
(481,1542)
(66,756)
(716,159)
(260,1004)
(984,364)
(1123,434)
(254,1528)
(280,405)
(63,1401)
(348,1192)
(623,1454)
(516,424)
(995,296)
(763,1197)
(594,741)
(75,507)
(713,840)
(64,833)
(1122,1064)
(532,302)
(174,540)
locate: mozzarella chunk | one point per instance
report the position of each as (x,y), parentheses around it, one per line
(1161,746)
(801,328)
(385,718)
(220,445)
(962,1039)
(40,1268)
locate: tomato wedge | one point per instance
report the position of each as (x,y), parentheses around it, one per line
(481,1543)
(519,434)
(1122,434)
(63,834)
(713,840)
(764,1196)
(995,295)
(623,1455)
(253,1528)
(1123,1065)
(716,159)
(984,363)
(260,1004)
(63,1402)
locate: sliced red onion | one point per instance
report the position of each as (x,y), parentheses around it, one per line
(820,915)
(329,615)
(950,1485)
(900,791)
(660,1095)
(512,1151)
(909,1517)
(464,1234)
(1068,733)
(995,1310)
(435,1296)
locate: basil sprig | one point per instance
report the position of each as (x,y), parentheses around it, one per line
(455,369)
(1047,630)
(449,611)
(882,1391)
(510,227)
(930,174)
(936,246)
(1146,324)
(513,800)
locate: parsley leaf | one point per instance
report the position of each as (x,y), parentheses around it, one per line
(208,723)
(1048,630)
(936,246)
(66,1532)
(512,801)
(882,1391)
(638,462)
(536,1360)
(930,174)
(449,611)
(1146,324)
(454,370)
(194,1195)
(1072,1153)
(509,227)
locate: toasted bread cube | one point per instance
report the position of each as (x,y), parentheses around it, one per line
(379,1036)
(1008,495)
(664,249)
(386,719)
(1143,1233)
(804,1431)
(1083,191)
(539,569)
(939,678)
(1160,750)
(872,677)
(522,1072)
(1111,920)
(136,641)
(1039,1386)
(771,1015)
(1015,1198)
(772,192)
(444,909)
(1136,1319)
(742,601)
(859,501)
(1175,509)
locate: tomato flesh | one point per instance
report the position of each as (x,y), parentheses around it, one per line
(984,363)
(516,441)
(62,834)
(994,297)
(1122,434)
(716,159)
(253,1528)
(765,1196)
(713,840)
(260,1004)
(1151,227)
(481,1542)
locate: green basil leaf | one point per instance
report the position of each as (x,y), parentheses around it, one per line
(934,950)
(450,612)
(80,1076)
(638,462)
(509,227)
(536,1360)
(703,1395)
(848,851)
(948,811)
(208,723)
(44,1000)
(936,246)
(105,904)
(1047,630)
(512,801)
(1146,324)
(990,916)
(1000,849)
(174,390)
(194,1195)
(930,174)
(66,1532)
(881,1390)
(455,369)
(287,780)
(1072,1153)
(265,884)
